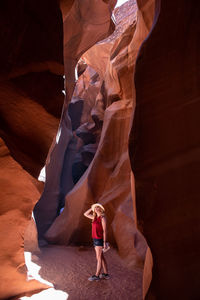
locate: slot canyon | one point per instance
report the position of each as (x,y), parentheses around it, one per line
(99,104)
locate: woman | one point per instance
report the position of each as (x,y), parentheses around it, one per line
(96,213)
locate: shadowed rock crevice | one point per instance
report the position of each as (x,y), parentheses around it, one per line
(164,148)
(30,79)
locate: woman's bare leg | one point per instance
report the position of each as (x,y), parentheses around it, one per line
(104,264)
(98,250)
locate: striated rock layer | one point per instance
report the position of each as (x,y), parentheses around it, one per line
(86,23)
(164,148)
(164,139)
(107,181)
(108,178)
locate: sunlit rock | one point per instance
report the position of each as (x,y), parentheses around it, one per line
(107,180)
(113,59)
(18,196)
(86,23)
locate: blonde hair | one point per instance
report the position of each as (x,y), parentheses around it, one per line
(95,214)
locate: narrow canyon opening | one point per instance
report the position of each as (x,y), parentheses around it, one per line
(127,137)
(89,160)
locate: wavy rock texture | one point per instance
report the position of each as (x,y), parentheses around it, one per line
(107,180)
(112,57)
(31,81)
(164,148)
(86,23)
(163,144)
(18,196)
(31,99)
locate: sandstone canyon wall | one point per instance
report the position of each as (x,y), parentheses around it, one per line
(18,195)
(31,79)
(163,144)
(108,177)
(164,148)
(31,99)
(86,23)
(107,180)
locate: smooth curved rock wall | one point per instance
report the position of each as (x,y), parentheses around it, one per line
(164,148)
(18,195)
(31,79)
(86,23)
(31,99)
(108,177)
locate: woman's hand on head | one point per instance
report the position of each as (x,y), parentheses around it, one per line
(88,214)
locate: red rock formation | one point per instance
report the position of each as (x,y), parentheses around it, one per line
(102,174)
(164,148)
(31,82)
(114,57)
(18,196)
(85,24)
(163,143)
(31,79)
(108,178)
(20,116)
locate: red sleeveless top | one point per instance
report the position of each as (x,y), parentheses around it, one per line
(97,229)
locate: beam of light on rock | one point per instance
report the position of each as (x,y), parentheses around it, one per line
(120,2)
(42,175)
(49,294)
(58,135)
(33,273)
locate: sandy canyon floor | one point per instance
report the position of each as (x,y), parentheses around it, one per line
(68,269)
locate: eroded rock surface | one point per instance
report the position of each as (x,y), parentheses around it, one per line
(164,148)
(107,180)
(31,99)
(31,79)
(163,145)
(18,196)
(86,23)
(103,173)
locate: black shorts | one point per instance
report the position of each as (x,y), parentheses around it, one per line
(98,242)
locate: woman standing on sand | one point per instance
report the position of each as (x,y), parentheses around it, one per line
(96,213)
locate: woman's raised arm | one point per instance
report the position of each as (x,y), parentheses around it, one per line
(88,213)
